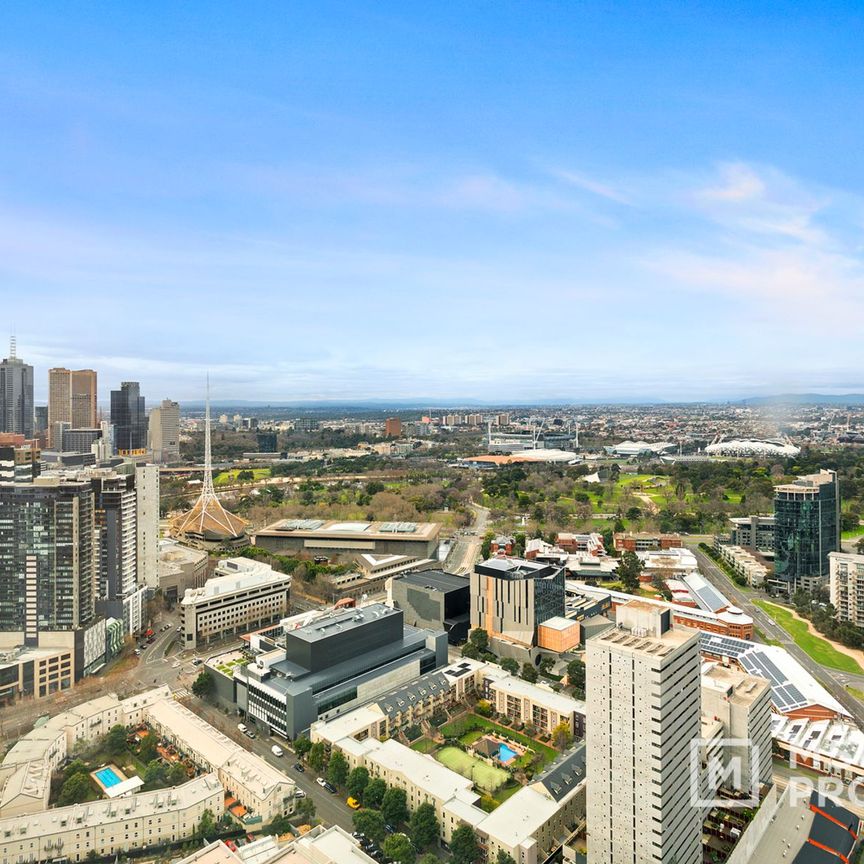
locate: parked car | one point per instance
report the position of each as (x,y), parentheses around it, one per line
(299,793)
(250,733)
(242,727)
(276,750)
(330,787)
(298,766)
(321,781)
(353,803)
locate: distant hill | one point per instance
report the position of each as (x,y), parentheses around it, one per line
(806,399)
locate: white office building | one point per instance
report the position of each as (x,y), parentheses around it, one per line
(846,575)
(244,595)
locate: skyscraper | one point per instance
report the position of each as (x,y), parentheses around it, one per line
(71,399)
(129,418)
(147,498)
(165,432)
(46,557)
(16,395)
(643,712)
(806,530)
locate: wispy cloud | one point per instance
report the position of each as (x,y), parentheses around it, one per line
(595,187)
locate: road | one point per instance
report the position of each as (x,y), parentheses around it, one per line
(828,678)
(331,808)
(466,547)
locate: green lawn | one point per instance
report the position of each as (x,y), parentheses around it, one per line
(229,478)
(423,745)
(487,777)
(821,650)
(462,725)
(853,533)
(854,691)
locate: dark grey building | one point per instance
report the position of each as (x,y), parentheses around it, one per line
(434,600)
(46,557)
(80,440)
(129,418)
(334,663)
(806,530)
(16,395)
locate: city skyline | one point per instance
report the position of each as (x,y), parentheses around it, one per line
(344,202)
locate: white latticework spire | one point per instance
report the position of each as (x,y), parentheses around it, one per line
(208,516)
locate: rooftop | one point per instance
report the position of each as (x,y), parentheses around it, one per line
(350,619)
(241,580)
(435,580)
(342,529)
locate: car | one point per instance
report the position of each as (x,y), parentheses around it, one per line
(299,793)
(242,727)
(358,835)
(137,652)
(389,829)
(330,787)
(321,781)
(298,766)
(276,750)
(197,661)
(250,733)
(353,803)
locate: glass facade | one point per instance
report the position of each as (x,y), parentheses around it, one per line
(129,418)
(46,534)
(806,529)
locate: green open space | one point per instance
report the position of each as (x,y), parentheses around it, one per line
(472,722)
(821,650)
(229,478)
(486,777)
(853,533)
(423,745)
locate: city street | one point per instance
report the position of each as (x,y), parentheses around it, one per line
(828,678)
(466,547)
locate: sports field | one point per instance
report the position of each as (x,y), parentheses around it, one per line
(485,776)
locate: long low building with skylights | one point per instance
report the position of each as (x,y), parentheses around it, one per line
(332,537)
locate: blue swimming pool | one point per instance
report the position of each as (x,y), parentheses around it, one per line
(505,754)
(108,777)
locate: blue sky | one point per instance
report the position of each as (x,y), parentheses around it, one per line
(481,200)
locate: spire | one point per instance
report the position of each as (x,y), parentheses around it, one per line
(12,346)
(207,491)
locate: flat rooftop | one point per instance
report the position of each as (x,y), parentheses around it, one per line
(335,529)
(350,619)
(436,580)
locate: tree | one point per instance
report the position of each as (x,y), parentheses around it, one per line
(75,790)
(504,858)
(463,846)
(424,826)
(302,746)
(176,775)
(394,806)
(318,755)
(92,855)
(207,825)
(628,572)
(154,774)
(429,858)
(305,809)
(147,751)
(508,664)
(204,685)
(280,825)
(562,737)
(76,766)
(115,740)
(337,768)
(398,848)
(529,673)
(486,545)
(370,823)
(373,795)
(576,677)
(859,546)
(479,638)
(357,782)
(483,708)
(545,663)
